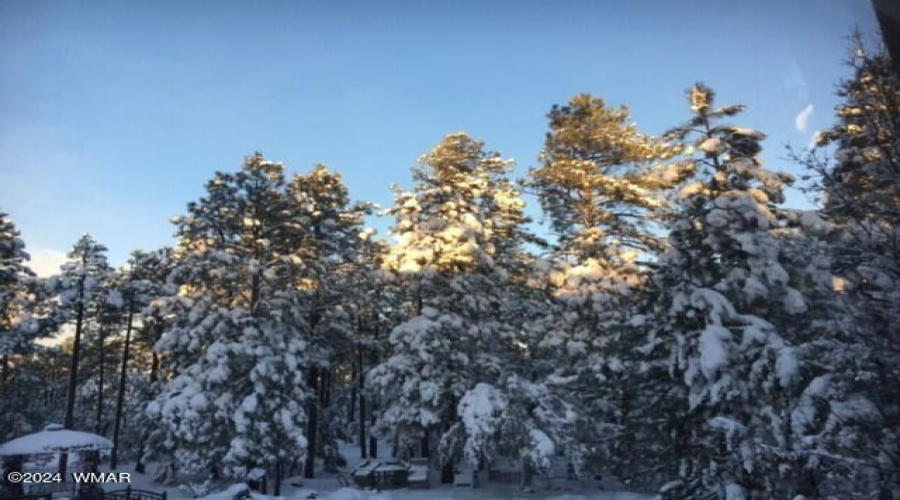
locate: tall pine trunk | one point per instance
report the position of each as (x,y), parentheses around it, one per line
(73,373)
(448,472)
(279,471)
(354,376)
(139,465)
(113,459)
(312,382)
(424,446)
(362,404)
(4,370)
(373,441)
(372,406)
(101,337)
(312,425)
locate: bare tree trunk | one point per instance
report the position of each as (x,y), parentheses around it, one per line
(101,337)
(73,374)
(373,443)
(327,386)
(276,490)
(424,448)
(4,374)
(372,406)
(354,375)
(139,465)
(312,425)
(312,383)
(447,473)
(120,401)
(362,405)
(527,475)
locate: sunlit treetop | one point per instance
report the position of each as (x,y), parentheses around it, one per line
(600,177)
(861,182)
(463,209)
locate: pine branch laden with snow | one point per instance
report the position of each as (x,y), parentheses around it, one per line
(458,257)
(26,315)
(601,183)
(729,307)
(15,277)
(681,331)
(240,335)
(855,169)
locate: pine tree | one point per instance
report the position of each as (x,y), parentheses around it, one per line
(447,260)
(856,171)
(825,429)
(24,317)
(332,238)
(375,306)
(239,343)
(110,316)
(723,293)
(601,184)
(597,182)
(80,290)
(156,318)
(14,274)
(137,286)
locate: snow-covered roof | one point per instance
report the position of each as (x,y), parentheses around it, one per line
(54,439)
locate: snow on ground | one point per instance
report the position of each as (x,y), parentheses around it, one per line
(445,493)
(326,487)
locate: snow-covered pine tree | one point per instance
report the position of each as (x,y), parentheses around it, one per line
(80,290)
(596,182)
(100,361)
(601,184)
(824,436)
(375,307)
(24,317)
(156,318)
(856,170)
(446,258)
(725,300)
(333,227)
(137,285)
(238,343)
(14,275)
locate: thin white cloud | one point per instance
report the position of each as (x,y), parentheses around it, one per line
(814,140)
(802,119)
(46,261)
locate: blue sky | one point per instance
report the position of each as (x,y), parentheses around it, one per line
(114,114)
